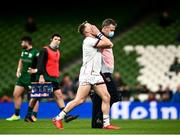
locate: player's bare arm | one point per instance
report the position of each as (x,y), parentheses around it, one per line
(104,42)
(18,72)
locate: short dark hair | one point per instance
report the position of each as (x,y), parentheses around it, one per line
(27,39)
(108,22)
(82,27)
(55,35)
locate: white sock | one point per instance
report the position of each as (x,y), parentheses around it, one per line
(106,120)
(60,116)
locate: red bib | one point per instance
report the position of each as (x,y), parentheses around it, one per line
(52,66)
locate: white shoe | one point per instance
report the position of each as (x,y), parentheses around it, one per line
(13,118)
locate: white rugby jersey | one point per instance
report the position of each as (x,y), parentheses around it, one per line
(92,60)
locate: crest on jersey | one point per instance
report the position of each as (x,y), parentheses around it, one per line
(30,55)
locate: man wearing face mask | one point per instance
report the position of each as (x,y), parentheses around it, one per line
(27,60)
(48,71)
(108,28)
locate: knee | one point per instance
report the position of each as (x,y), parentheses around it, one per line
(16,94)
(106,98)
(78,101)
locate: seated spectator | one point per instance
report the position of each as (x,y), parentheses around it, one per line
(126,93)
(67,88)
(176,95)
(136,98)
(30,25)
(144,89)
(5,98)
(151,97)
(169,92)
(175,67)
(76,82)
(160,90)
(165,97)
(119,81)
(121,87)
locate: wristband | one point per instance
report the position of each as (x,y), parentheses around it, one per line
(100,36)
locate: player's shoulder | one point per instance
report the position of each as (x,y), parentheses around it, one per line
(35,51)
(90,40)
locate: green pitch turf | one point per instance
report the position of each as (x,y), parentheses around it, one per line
(82,126)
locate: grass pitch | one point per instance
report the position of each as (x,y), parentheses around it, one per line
(83,126)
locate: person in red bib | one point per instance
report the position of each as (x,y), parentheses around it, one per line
(48,71)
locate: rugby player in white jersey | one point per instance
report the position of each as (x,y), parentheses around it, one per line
(90,74)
